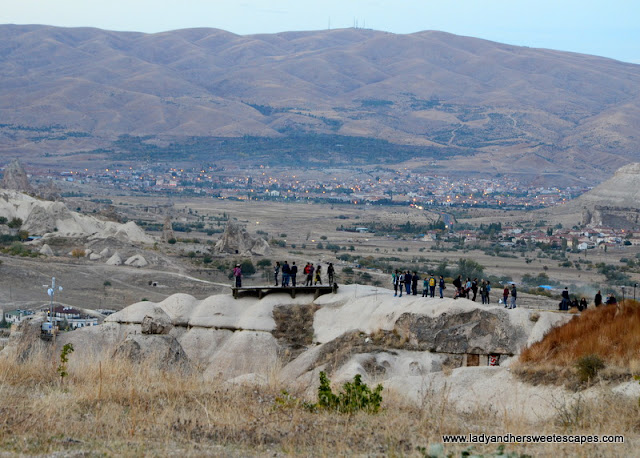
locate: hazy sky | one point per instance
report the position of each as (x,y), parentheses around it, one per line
(608,28)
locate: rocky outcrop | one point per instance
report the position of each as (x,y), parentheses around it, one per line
(137,260)
(15,178)
(46,250)
(236,240)
(618,217)
(614,202)
(25,339)
(157,324)
(474,332)
(411,346)
(167,230)
(54,219)
(159,350)
(360,327)
(114,260)
(49,192)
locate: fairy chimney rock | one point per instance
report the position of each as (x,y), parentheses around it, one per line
(236,240)
(15,178)
(167,230)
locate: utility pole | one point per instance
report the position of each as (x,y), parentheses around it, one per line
(51,291)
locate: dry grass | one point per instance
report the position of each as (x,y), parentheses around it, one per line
(614,337)
(567,354)
(117,408)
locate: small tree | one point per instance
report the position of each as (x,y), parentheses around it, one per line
(264,263)
(247,267)
(64,359)
(469,268)
(15,223)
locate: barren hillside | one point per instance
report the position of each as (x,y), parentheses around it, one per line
(352,95)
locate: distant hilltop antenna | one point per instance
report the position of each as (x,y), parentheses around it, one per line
(356,23)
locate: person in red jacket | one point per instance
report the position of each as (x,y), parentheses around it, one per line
(237,272)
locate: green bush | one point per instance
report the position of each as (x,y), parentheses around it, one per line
(15,223)
(588,367)
(469,268)
(247,267)
(354,396)
(64,359)
(18,249)
(264,263)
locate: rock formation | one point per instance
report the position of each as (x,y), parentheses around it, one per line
(158,324)
(15,178)
(137,260)
(114,260)
(54,219)
(361,329)
(236,240)
(161,350)
(25,339)
(49,192)
(167,230)
(617,217)
(615,202)
(46,250)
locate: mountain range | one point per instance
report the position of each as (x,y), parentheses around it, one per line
(350,96)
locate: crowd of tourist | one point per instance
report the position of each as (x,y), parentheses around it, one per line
(407,282)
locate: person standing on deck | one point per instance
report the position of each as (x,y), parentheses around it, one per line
(276,271)
(318,278)
(286,271)
(237,272)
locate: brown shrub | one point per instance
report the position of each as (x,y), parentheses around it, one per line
(78,253)
(614,338)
